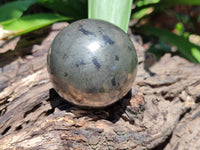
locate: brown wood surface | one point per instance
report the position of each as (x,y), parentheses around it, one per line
(161,112)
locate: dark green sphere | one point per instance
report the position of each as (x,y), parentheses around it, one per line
(92,63)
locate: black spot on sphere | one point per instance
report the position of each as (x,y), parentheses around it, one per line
(64,56)
(130,49)
(100,30)
(65,74)
(107,40)
(113,82)
(80,63)
(85,32)
(117,58)
(96,63)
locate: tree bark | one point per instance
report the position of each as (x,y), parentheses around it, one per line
(161,111)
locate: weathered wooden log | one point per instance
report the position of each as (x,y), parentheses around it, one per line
(160,112)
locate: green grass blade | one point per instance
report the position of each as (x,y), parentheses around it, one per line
(188,49)
(142,6)
(113,11)
(14,9)
(32,22)
(180,2)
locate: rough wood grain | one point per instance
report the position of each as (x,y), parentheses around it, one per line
(161,111)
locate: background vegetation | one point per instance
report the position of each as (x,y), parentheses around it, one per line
(166,26)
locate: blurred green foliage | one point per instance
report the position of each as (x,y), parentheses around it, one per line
(173,23)
(22,16)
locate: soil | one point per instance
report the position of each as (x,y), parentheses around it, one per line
(161,111)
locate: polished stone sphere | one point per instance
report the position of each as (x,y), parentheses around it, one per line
(92,63)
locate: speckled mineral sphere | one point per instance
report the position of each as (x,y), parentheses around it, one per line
(92,63)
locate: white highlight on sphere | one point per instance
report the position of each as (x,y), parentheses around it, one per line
(93,46)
